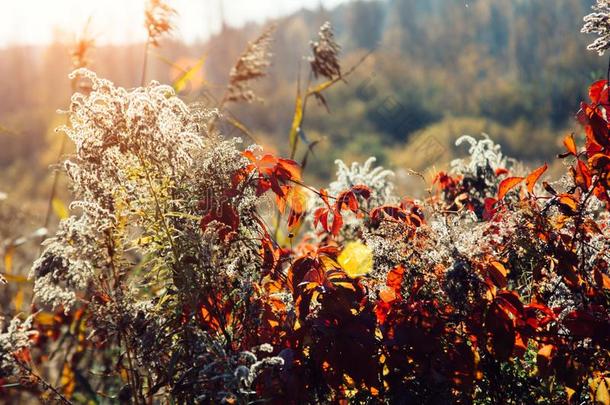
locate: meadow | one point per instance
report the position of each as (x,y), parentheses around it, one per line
(183,242)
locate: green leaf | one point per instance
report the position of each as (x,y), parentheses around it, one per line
(296,124)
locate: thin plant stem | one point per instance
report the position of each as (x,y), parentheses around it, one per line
(45,383)
(145,62)
(160,213)
(55,184)
(56,176)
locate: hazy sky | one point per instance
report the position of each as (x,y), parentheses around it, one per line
(40,21)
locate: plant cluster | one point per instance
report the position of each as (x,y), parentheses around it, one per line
(167,283)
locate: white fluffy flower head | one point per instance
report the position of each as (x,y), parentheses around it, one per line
(598,22)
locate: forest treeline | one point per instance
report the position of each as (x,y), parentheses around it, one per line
(510,68)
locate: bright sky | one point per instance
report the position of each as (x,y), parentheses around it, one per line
(115,21)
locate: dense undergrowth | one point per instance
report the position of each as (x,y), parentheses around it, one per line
(198,269)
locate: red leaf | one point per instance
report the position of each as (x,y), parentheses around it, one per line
(320,216)
(387,295)
(544,357)
(501,330)
(510,302)
(592,322)
(226,218)
(489,210)
(337,223)
(600,162)
(324,197)
(602,280)
(297,201)
(508,184)
(287,169)
(580,323)
(446,181)
(598,93)
(362,191)
(501,171)
(273,172)
(270,254)
(347,199)
(532,178)
(395,277)
(294,219)
(596,128)
(388,212)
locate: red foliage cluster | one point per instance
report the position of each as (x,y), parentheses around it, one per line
(342,337)
(340,342)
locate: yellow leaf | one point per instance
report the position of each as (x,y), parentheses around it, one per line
(123,374)
(349,380)
(329,264)
(8,258)
(45,318)
(59,208)
(602,396)
(18,279)
(321,87)
(18,300)
(570,393)
(68,381)
(181,82)
(356,259)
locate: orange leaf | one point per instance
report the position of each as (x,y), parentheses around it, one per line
(582,175)
(543,358)
(602,280)
(395,277)
(508,184)
(568,203)
(387,295)
(68,380)
(570,145)
(498,273)
(533,177)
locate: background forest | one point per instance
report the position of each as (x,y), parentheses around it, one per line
(437,69)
